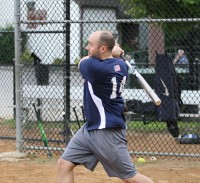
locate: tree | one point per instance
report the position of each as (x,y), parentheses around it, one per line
(7,46)
(176,34)
(185,34)
(162,8)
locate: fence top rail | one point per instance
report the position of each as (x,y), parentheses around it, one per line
(114,20)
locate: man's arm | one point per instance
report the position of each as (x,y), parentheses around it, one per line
(86,57)
(178,56)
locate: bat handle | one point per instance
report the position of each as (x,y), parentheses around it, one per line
(127,63)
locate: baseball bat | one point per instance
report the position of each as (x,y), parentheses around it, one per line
(74,109)
(42,132)
(142,82)
(67,128)
(83,114)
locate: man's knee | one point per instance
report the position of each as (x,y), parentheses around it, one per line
(65,165)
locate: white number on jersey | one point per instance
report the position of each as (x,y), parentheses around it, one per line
(114,88)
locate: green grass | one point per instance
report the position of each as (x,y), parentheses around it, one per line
(137,126)
(160,126)
(29,125)
(151,127)
(9,122)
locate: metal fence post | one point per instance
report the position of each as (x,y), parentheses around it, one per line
(17,72)
(67,71)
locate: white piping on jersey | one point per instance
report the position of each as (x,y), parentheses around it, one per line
(99,104)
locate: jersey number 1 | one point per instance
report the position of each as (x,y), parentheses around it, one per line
(114,88)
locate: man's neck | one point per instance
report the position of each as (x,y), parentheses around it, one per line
(106,56)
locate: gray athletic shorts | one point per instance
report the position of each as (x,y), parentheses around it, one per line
(107,146)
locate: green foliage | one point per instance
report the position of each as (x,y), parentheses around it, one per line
(162,8)
(77,60)
(26,57)
(177,34)
(58,61)
(7,45)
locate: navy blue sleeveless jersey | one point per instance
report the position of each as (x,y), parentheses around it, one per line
(104,82)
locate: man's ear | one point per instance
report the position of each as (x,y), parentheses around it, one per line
(103,49)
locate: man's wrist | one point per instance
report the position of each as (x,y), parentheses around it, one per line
(117,51)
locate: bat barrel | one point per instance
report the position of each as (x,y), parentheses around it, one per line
(143,83)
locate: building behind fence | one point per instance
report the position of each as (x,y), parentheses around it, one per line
(50,37)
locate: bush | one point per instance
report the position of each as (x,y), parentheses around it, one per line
(58,61)
(7,49)
(26,57)
(7,45)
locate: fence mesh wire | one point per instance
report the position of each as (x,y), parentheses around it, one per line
(53,39)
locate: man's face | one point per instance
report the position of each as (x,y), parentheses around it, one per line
(93,46)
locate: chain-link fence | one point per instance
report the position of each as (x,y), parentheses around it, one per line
(7,112)
(50,40)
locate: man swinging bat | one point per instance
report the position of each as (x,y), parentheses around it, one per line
(102,139)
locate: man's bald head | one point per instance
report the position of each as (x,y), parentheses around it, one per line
(105,38)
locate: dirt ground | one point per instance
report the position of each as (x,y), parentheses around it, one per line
(44,170)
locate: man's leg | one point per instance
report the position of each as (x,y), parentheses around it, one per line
(65,171)
(138,178)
